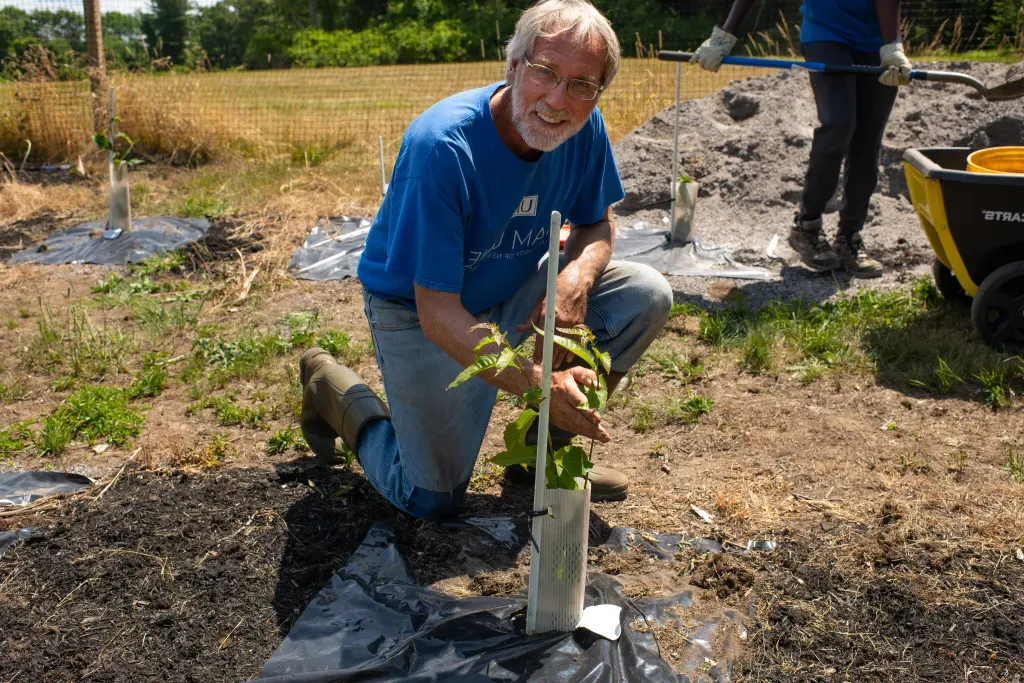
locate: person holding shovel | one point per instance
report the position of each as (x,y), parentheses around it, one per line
(459,239)
(852,111)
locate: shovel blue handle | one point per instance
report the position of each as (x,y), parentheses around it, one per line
(668,55)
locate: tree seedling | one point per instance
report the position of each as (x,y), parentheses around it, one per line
(569,463)
(120,156)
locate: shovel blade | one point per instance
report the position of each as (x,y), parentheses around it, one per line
(1010,90)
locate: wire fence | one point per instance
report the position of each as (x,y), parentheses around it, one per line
(262,77)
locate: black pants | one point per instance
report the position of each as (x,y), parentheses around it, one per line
(853,111)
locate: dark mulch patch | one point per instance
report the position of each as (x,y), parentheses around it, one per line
(188,577)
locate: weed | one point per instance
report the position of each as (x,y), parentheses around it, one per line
(148,383)
(78,347)
(93,413)
(217,451)
(281,440)
(161,264)
(643,417)
(11,392)
(688,410)
(12,324)
(202,206)
(995,385)
(339,345)
(677,366)
(756,357)
(62,383)
(109,285)
(685,309)
(487,476)
(23,313)
(15,438)
(229,413)
(914,464)
(958,461)
(313,155)
(1015,464)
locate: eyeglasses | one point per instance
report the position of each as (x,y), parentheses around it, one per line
(549,78)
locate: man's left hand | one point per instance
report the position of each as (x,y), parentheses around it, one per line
(570,311)
(897,65)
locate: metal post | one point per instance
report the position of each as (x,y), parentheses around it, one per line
(543,420)
(380,153)
(675,146)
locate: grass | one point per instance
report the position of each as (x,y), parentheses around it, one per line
(77,347)
(230,413)
(284,439)
(217,450)
(94,414)
(1015,464)
(15,438)
(909,339)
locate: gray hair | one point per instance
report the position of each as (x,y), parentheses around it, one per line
(550,18)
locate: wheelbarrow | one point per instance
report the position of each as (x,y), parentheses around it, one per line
(975,224)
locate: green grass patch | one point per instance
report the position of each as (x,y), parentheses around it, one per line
(15,438)
(11,392)
(688,410)
(93,413)
(283,439)
(77,347)
(910,338)
(676,366)
(230,413)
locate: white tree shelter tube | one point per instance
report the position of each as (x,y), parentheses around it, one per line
(559,534)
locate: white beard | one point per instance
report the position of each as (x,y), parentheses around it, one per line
(536,137)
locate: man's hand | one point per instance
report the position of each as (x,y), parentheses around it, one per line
(713,50)
(570,311)
(897,65)
(567,396)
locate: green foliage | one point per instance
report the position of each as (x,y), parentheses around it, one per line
(567,464)
(1015,464)
(93,413)
(230,413)
(103,142)
(164,263)
(149,383)
(283,439)
(15,438)
(77,347)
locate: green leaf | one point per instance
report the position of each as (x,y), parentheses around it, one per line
(574,461)
(508,355)
(522,455)
(534,395)
(483,342)
(605,358)
(597,397)
(482,363)
(515,432)
(573,346)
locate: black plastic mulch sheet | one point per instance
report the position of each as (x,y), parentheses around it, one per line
(85,243)
(372,623)
(332,250)
(22,488)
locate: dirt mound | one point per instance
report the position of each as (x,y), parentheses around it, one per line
(748,147)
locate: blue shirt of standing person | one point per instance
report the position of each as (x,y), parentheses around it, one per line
(852,112)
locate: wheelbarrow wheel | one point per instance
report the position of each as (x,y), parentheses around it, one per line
(947,284)
(998,308)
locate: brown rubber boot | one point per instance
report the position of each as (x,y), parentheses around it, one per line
(606,484)
(335,402)
(850,250)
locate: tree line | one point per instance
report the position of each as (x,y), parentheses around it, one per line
(257,34)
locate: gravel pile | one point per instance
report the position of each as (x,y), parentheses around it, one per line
(748,147)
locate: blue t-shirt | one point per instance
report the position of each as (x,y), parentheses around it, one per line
(852,22)
(462,213)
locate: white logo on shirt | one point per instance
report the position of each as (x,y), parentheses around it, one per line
(527,207)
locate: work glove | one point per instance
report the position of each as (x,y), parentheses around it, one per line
(897,65)
(713,50)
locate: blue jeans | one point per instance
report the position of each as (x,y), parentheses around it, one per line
(421,460)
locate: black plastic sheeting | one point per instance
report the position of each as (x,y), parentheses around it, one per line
(22,488)
(86,244)
(9,538)
(372,623)
(326,254)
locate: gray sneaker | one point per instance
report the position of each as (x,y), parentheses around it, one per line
(850,250)
(806,240)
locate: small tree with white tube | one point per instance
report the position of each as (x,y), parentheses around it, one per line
(561,496)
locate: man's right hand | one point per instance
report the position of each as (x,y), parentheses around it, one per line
(567,396)
(713,50)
